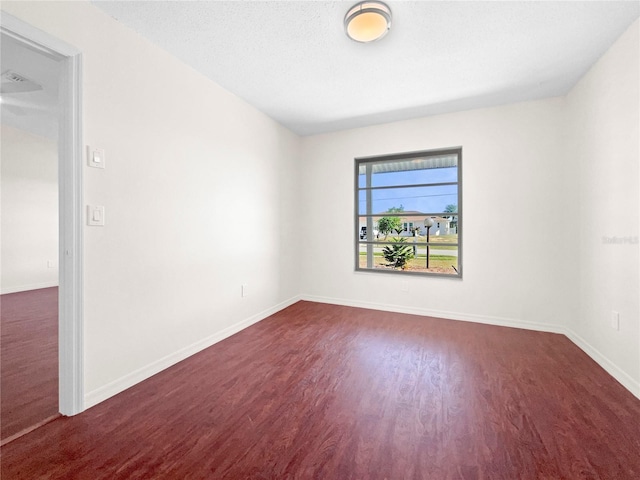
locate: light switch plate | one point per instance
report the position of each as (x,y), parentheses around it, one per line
(96,157)
(95,215)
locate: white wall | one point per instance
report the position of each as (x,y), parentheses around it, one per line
(29,217)
(604,143)
(186,164)
(570,159)
(510,172)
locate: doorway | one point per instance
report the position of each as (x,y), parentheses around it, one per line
(29,238)
(43,80)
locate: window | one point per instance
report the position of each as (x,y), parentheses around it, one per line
(409,213)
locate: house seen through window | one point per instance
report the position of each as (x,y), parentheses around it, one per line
(408,213)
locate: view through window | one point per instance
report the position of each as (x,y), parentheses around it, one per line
(408,213)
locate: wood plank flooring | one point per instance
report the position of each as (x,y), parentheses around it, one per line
(328,392)
(28,359)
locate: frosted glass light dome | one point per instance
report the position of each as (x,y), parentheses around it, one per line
(367,21)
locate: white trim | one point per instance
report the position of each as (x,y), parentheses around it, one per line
(102,393)
(425,312)
(70,338)
(26,288)
(611,368)
(35,38)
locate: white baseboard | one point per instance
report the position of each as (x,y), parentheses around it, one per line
(25,288)
(96,396)
(611,368)
(425,312)
(100,394)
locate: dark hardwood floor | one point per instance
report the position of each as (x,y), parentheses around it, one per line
(329,392)
(28,359)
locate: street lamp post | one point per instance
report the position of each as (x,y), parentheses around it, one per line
(428,223)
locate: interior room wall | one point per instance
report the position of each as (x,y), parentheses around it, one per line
(560,176)
(198,201)
(513,250)
(203,194)
(603,126)
(29,217)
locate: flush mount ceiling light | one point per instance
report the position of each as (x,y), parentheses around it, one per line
(367,21)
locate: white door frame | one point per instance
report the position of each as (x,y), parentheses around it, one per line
(71,216)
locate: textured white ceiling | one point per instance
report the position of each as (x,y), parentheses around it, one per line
(292,60)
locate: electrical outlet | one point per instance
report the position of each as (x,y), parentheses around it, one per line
(615,320)
(245,290)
